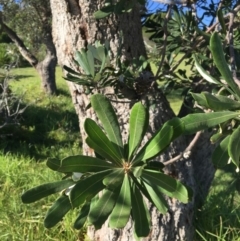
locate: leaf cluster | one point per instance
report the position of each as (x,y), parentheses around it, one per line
(111,185)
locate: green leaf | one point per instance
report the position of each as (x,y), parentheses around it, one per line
(157,197)
(80,163)
(219,102)
(53,163)
(138,125)
(78,80)
(45,190)
(58,210)
(221,20)
(108,118)
(82,216)
(155,145)
(166,184)
(104,12)
(114,179)
(234,146)
(202,121)
(220,155)
(87,188)
(200,99)
(90,59)
(178,127)
(81,58)
(101,210)
(140,213)
(204,74)
(121,212)
(219,60)
(70,70)
(108,149)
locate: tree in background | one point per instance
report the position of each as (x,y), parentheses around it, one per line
(28,24)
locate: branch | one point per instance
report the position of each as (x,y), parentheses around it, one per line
(187,152)
(19,43)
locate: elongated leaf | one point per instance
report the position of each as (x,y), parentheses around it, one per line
(234,146)
(58,210)
(140,213)
(45,190)
(121,211)
(200,99)
(220,154)
(167,185)
(87,188)
(90,59)
(108,118)
(114,179)
(202,121)
(82,61)
(53,163)
(102,209)
(108,148)
(70,70)
(157,198)
(219,102)
(138,125)
(80,163)
(78,80)
(82,216)
(219,60)
(221,20)
(204,74)
(178,127)
(155,145)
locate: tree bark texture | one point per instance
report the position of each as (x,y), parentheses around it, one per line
(45,68)
(73,28)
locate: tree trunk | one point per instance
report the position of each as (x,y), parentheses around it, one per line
(46,68)
(73,28)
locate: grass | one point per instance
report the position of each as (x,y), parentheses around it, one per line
(50,129)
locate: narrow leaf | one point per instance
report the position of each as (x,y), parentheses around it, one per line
(80,163)
(155,145)
(219,102)
(108,118)
(138,123)
(53,163)
(45,190)
(200,99)
(109,149)
(219,60)
(202,121)
(121,212)
(82,61)
(204,74)
(140,213)
(87,188)
(167,185)
(157,197)
(91,63)
(82,216)
(178,127)
(104,12)
(221,20)
(220,154)
(234,146)
(114,179)
(58,210)
(101,210)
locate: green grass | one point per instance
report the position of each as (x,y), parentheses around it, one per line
(50,129)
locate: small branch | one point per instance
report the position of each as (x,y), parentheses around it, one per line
(187,152)
(19,43)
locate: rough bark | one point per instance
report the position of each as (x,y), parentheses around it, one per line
(46,67)
(73,28)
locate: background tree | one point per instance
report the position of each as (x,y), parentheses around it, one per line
(28,24)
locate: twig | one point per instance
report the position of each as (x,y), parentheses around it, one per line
(187,152)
